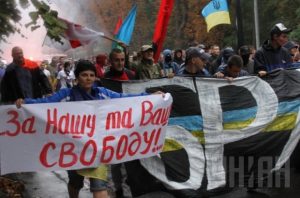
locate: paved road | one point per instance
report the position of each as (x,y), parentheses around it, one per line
(53,185)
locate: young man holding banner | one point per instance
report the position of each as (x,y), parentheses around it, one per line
(85,74)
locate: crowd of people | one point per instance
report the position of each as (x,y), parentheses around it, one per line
(197,60)
(80,80)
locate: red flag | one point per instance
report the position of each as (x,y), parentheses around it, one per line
(118,25)
(162,22)
(79,35)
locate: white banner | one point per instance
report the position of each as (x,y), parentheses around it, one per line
(75,135)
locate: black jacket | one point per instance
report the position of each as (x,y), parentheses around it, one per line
(267,58)
(117,75)
(11,89)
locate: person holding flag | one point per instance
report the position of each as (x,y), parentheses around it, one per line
(162,21)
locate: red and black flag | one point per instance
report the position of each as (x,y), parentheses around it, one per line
(161,27)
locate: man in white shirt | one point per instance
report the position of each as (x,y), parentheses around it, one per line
(65,77)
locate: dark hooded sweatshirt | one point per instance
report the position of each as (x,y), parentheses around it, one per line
(268,58)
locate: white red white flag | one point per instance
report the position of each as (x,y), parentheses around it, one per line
(60,47)
(76,35)
(79,35)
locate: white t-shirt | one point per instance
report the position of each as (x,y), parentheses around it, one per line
(64,78)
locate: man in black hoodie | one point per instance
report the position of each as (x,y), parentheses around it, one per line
(272,55)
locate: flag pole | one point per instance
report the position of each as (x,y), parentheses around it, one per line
(113,39)
(256,24)
(239,24)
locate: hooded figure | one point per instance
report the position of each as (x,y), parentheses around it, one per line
(178,57)
(272,55)
(169,66)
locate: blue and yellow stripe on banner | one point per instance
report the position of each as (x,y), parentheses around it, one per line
(238,119)
(215,13)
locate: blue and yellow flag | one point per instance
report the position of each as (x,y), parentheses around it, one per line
(215,13)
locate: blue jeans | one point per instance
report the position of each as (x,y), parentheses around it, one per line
(76,181)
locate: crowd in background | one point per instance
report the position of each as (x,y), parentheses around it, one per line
(198,60)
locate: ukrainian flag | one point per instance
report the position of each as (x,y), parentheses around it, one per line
(215,13)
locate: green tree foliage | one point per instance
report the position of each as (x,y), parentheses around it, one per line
(10,15)
(295,35)
(54,26)
(270,13)
(186,23)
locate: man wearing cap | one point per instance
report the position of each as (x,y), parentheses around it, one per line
(195,63)
(294,52)
(147,69)
(292,48)
(221,61)
(272,55)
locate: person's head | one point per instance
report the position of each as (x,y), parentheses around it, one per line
(196,59)
(44,64)
(101,59)
(292,47)
(193,44)
(85,74)
(252,51)
(297,57)
(201,46)
(117,59)
(279,34)
(61,60)
(178,54)
(234,66)
(245,52)
(167,54)
(17,54)
(67,66)
(147,52)
(215,50)
(134,56)
(227,53)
